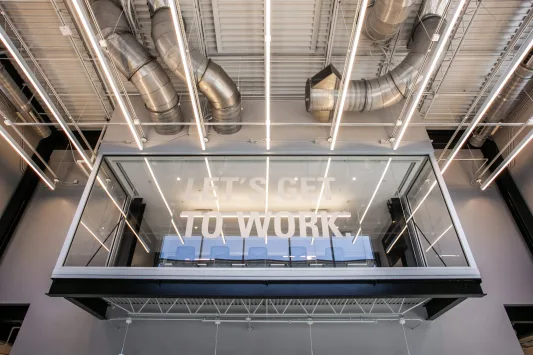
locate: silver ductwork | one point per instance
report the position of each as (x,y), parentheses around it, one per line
(506,100)
(22,106)
(385,17)
(216,85)
(321,91)
(139,67)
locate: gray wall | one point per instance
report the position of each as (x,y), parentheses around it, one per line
(10,173)
(476,327)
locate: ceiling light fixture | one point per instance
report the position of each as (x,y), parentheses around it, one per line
(411,216)
(95,44)
(154,179)
(441,47)
(214,194)
(42,94)
(348,67)
(103,185)
(517,59)
(508,159)
(185,59)
(440,236)
(199,214)
(266,191)
(372,199)
(14,144)
(268,39)
(94,236)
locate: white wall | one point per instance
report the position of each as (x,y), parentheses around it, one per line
(476,327)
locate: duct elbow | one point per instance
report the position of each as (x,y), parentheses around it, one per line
(216,85)
(139,67)
(385,18)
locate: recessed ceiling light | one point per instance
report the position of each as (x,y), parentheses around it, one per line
(195,227)
(178,178)
(354,178)
(295,178)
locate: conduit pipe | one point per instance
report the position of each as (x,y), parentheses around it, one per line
(216,85)
(321,91)
(139,67)
(505,101)
(22,106)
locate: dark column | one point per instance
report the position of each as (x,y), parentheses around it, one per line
(128,240)
(511,194)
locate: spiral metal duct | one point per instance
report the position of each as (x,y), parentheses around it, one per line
(385,17)
(368,95)
(139,67)
(505,101)
(21,103)
(216,85)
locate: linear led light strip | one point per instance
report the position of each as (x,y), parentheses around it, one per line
(266,190)
(248,215)
(321,192)
(441,47)
(268,39)
(339,109)
(42,93)
(214,194)
(371,200)
(508,159)
(517,59)
(123,214)
(164,199)
(412,215)
(13,143)
(94,236)
(440,236)
(107,71)
(184,53)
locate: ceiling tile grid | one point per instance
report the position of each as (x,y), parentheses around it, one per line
(232,33)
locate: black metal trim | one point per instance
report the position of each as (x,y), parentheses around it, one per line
(438,306)
(23,193)
(511,194)
(441,288)
(94,306)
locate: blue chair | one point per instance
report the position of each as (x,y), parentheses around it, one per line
(339,254)
(257,253)
(298,253)
(219,252)
(185,253)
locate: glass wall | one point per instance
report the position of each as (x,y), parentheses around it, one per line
(266,212)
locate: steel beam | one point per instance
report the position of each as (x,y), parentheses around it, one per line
(511,194)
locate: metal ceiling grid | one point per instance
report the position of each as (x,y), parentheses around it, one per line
(232,33)
(494,25)
(38,25)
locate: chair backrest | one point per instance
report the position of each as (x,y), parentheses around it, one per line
(298,253)
(185,252)
(339,254)
(219,252)
(257,253)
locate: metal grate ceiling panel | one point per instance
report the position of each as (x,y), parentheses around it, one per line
(231,31)
(38,24)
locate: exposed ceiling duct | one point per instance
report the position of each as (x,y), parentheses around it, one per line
(321,90)
(216,85)
(139,67)
(385,18)
(21,104)
(505,101)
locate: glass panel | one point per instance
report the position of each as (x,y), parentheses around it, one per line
(99,222)
(432,222)
(253,211)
